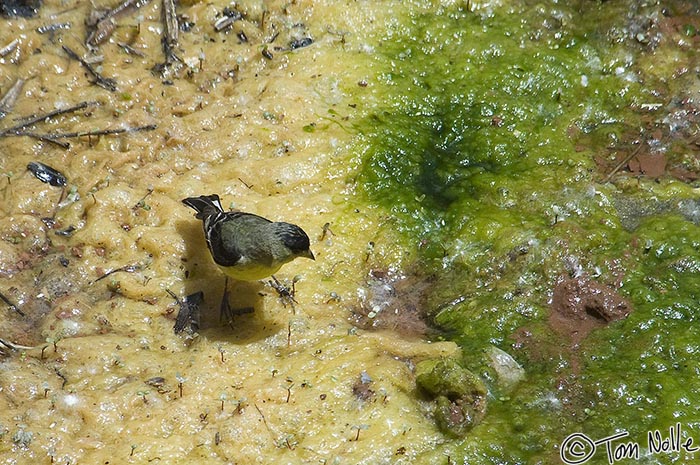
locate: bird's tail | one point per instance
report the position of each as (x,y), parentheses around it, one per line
(205,205)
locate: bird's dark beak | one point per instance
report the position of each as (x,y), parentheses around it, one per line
(309,254)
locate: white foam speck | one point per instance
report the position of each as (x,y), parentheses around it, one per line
(71,400)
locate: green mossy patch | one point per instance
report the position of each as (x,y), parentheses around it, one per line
(495,157)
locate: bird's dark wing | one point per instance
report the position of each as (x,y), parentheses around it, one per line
(236,235)
(224,252)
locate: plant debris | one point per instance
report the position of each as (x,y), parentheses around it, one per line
(17,129)
(11,305)
(300,43)
(106,83)
(188,315)
(170,31)
(9,48)
(126,268)
(102,25)
(20,8)
(8,100)
(66,232)
(49,28)
(4,344)
(361,389)
(54,138)
(229,16)
(169,39)
(46,174)
(100,132)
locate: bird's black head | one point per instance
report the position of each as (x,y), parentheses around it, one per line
(295,239)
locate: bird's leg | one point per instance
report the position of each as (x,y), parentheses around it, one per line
(226,312)
(225,308)
(286,294)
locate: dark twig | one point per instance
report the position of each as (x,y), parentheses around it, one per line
(54,138)
(18,130)
(106,83)
(11,305)
(263,417)
(126,268)
(170,22)
(14,130)
(63,378)
(623,162)
(41,137)
(100,132)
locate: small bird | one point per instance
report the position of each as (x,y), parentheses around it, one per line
(245,246)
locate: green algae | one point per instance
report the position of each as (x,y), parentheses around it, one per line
(483,156)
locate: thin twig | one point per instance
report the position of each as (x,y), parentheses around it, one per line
(623,162)
(131,50)
(52,27)
(62,376)
(41,137)
(9,48)
(54,138)
(122,7)
(8,100)
(44,117)
(101,132)
(127,268)
(13,346)
(106,83)
(11,305)
(263,418)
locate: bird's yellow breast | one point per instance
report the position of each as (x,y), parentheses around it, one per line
(250,271)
